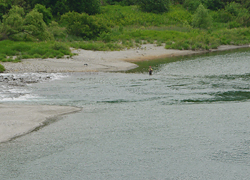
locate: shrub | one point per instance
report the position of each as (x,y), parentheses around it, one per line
(213,4)
(2,69)
(222,16)
(180,15)
(191,5)
(83,25)
(57,31)
(233,8)
(13,22)
(35,25)
(17,26)
(243,17)
(233,24)
(106,37)
(201,18)
(47,15)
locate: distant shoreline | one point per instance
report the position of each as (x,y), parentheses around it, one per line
(102,61)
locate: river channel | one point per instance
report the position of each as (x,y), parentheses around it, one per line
(189,120)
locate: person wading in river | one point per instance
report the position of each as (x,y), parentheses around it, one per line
(150,70)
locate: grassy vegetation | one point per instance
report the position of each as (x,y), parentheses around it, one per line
(2,69)
(129,27)
(11,51)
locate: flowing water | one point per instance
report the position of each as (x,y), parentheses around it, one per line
(189,120)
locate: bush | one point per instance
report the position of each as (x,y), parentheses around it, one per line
(155,6)
(17,26)
(57,31)
(191,5)
(201,18)
(2,69)
(35,25)
(180,15)
(233,24)
(83,25)
(233,8)
(213,4)
(47,15)
(222,16)
(243,17)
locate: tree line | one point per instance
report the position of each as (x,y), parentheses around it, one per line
(59,7)
(38,19)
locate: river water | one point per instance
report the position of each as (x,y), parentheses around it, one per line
(189,120)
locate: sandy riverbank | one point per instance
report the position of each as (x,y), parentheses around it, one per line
(17,120)
(96,61)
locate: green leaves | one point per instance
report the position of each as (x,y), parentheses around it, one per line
(47,15)
(35,26)
(83,25)
(17,26)
(2,69)
(201,18)
(155,6)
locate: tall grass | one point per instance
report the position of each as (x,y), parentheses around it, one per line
(15,51)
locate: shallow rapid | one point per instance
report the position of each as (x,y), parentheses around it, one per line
(189,120)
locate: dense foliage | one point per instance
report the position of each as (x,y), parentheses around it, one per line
(20,26)
(83,25)
(201,18)
(155,6)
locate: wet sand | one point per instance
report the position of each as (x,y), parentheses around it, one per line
(17,120)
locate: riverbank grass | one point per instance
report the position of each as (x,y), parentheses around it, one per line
(11,51)
(2,69)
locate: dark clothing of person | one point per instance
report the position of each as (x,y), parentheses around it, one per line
(150,70)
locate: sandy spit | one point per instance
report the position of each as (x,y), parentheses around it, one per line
(101,61)
(18,120)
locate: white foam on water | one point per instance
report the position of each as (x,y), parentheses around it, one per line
(26,97)
(9,93)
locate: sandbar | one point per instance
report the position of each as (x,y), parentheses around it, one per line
(102,61)
(18,120)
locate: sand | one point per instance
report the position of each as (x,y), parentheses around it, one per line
(96,61)
(17,120)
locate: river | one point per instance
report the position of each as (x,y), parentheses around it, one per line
(189,120)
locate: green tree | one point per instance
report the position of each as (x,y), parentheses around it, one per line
(83,25)
(63,6)
(35,27)
(89,7)
(13,22)
(201,18)
(233,8)
(3,9)
(191,5)
(60,7)
(17,26)
(213,4)
(243,17)
(155,6)
(246,4)
(47,15)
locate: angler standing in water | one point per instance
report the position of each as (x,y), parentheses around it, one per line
(150,70)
